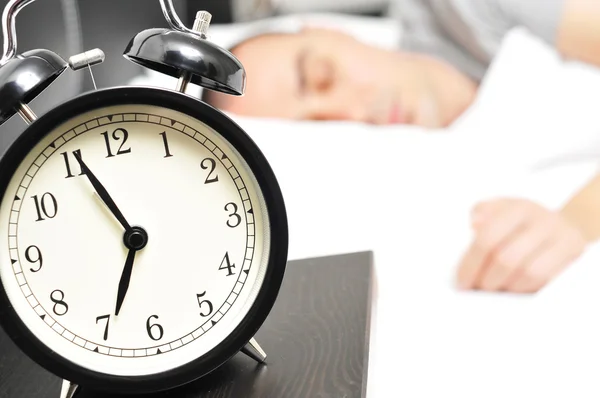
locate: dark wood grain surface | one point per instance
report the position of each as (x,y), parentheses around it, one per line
(316,339)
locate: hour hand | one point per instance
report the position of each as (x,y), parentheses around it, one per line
(125,278)
(102,192)
(134,241)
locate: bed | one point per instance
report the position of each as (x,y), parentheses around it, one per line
(406,193)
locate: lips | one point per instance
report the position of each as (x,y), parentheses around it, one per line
(396,115)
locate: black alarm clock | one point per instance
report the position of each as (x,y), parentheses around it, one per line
(143,233)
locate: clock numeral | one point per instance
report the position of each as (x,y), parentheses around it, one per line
(37,259)
(202,302)
(116,137)
(212,165)
(228,265)
(238,218)
(42,206)
(60,307)
(166,143)
(68,165)
(149,329)
(100,318)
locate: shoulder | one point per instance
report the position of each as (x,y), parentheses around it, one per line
(486,22)
(466,33)
(470,32)
(478,25)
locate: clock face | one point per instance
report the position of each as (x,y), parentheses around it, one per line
(64,255)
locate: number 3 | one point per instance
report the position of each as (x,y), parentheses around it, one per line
(234,214)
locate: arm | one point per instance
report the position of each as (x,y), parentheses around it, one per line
(578,35)
(583,210)
(572,26)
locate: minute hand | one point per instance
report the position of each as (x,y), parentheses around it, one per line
(103,193)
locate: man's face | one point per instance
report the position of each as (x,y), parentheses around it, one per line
(325,75)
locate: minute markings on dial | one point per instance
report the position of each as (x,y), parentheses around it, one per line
(47,318)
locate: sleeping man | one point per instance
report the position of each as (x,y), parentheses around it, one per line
(447,45)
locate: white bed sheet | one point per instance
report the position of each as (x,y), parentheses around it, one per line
(406,194)
(348,191)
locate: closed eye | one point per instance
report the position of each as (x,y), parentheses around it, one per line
(301,71)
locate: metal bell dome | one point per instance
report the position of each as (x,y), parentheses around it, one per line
(187,54)
(23,77)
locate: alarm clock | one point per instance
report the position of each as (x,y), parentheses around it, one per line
(143,233)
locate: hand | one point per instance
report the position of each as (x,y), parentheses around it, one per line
(103,193)
(125,278)
(519,247)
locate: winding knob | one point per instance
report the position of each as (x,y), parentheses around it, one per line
(86,59)
(202,22)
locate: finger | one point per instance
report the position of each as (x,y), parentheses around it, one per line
(495,235)
(469,265)
(486,241)
(484,211)
(556,255)
(516,251)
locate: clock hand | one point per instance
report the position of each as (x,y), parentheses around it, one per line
(125,278)
(102,193)
(134,240)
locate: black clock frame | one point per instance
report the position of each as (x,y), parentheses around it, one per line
(234,134)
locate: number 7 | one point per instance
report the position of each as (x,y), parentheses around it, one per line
(107,317)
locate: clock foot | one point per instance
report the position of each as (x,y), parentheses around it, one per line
(254,351)
(69,390)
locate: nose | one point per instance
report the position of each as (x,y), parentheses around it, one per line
(339,107)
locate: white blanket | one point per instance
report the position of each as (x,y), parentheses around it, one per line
(406,194)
